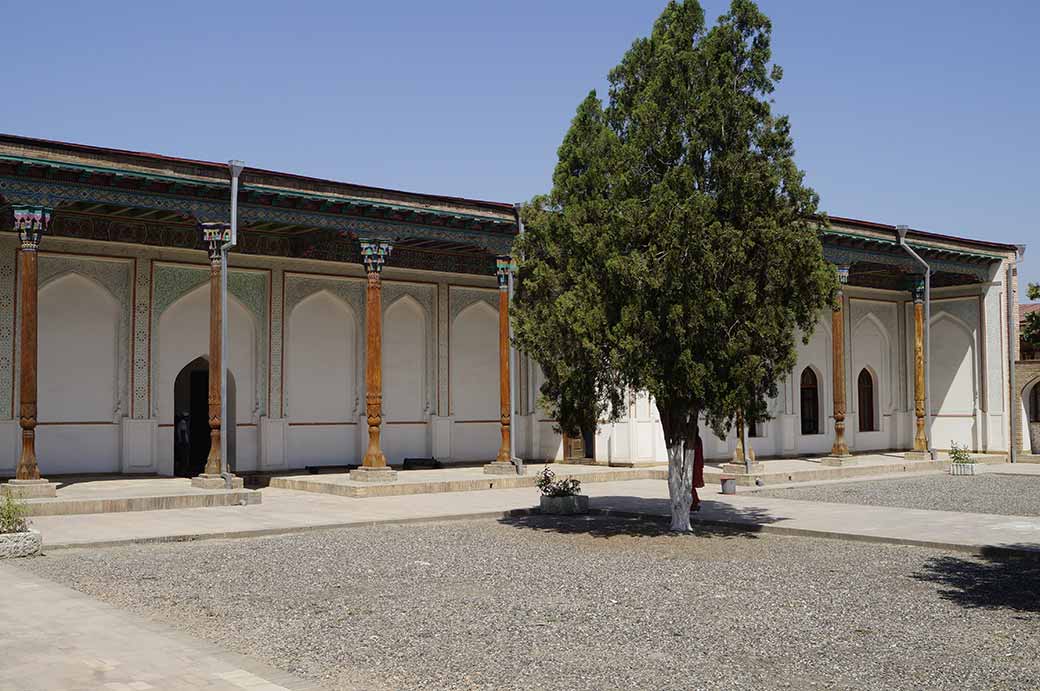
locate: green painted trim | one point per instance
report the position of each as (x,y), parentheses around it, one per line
(252,188)
(915,244)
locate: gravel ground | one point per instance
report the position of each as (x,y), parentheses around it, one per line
(1000,494)
(597,603)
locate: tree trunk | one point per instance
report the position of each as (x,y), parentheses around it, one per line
(677,430)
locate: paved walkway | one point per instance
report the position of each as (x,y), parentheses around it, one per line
(288,511)
(55,638)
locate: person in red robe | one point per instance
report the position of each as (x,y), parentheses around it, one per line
(698,471)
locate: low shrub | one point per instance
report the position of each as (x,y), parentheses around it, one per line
(12,515)
(551,487)
(960,454)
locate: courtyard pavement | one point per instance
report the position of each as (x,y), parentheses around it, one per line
(285,511)
(56,638)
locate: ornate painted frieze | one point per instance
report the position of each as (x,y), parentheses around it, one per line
(173,281)
(51,193)
(116,276)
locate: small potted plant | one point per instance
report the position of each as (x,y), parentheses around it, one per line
(961,461)
(561,496)
(17,539)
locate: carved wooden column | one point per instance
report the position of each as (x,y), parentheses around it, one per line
(30,223)
(214,234)
(374,467)
(920,449)
(504,462)
(840,448)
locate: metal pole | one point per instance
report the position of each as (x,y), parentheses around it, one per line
(1012,327)
(236,170)
(901,231)
(513,363)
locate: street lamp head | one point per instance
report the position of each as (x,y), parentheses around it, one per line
(236,167)
(1021,249)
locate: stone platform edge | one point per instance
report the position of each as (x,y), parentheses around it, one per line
(309,483)
(71,506)
(851,470)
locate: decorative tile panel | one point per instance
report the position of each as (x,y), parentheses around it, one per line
(8,289)
(142,333)
(461,298)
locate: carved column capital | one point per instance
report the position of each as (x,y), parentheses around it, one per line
(504,266)
(215,235)
(31,223)
(842,271)
(917,288)
(374,254)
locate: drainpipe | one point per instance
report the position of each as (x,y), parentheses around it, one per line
(901,231)
(236,170)
(1012,326)
(513,363)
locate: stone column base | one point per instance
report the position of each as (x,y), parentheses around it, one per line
(741,468)
(917,456)
(373,474)
(30,489)
(837,461)
(500,468)
(205,481)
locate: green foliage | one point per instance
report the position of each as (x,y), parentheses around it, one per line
(1031,327)
(960,454)
(12,515)
(551,487)
(678,251)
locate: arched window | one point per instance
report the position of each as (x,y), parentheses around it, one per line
(810,402)
(865,389)
(1034,413)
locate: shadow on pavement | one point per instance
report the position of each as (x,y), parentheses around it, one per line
(994,580)
(639,517)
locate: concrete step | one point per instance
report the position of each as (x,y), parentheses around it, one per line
(63,506)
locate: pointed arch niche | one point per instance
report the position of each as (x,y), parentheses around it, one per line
(323,334)
(83,362)
(181,336)
(474,387)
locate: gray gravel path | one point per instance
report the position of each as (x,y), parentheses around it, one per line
(1008,495)
(533,603)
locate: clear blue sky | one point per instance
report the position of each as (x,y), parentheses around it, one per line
(921,112)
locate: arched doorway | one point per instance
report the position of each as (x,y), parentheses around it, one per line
(191,434)
(810,395)
(865,398)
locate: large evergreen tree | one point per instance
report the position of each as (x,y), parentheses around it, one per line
(677,252)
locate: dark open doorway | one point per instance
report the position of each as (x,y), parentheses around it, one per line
(191,434)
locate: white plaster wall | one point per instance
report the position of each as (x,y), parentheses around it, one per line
(871,350)
(322,372)
(474,383)
(954,381)
(183,335)
(815,354)
(405,330)
(78,377)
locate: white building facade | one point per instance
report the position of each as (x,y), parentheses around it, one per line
(124,321)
